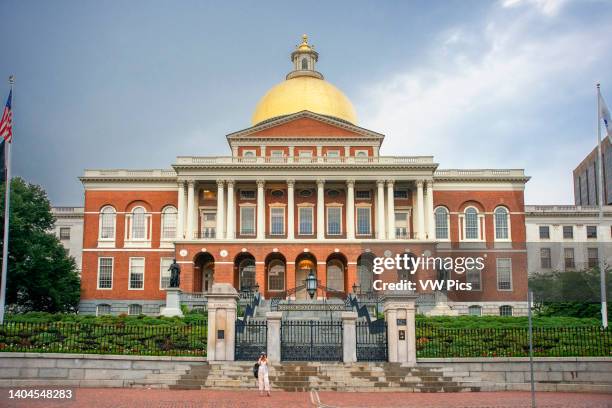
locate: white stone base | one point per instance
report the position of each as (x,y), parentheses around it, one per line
(173,303)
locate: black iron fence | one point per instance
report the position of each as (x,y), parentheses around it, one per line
(311,340)
(371,340)
(63,337)
(251,339)
(434,341)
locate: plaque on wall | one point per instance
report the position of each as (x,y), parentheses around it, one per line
(401,322)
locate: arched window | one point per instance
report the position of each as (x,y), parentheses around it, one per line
(168,219)
(276,275)
(505,310)
(134,310)
(501,223)
(103,309)
(139,223)
(304,63)
(246,270)
(475,310)
(441,218)
(471,223)
(107,223)
(335,275)
(365,266)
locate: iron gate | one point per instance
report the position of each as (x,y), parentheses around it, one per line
(311,340)
(251,338)
(371,340)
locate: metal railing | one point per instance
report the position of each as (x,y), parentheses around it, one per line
(206,233)
(281,160)
(437,342)
(65,337)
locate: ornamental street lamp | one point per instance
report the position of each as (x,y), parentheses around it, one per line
(255,287)
(355,287)
(311,284)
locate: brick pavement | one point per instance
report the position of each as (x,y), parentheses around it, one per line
(156,398)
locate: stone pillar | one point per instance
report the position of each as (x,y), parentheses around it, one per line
(190,208)
(261,210)
(390,210)
(350,209)
(231,211)
(349,337)
(220,233)
(380,210)
(274,336)
(290,209)
(180,219)
(320,209)
(421,213)
(221,322)
(173,303)
(399,309)
(431,231)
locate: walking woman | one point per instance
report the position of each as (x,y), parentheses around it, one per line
(262,374)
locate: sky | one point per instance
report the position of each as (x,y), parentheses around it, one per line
(476,84)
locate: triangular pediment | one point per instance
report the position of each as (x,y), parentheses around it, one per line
(305,124)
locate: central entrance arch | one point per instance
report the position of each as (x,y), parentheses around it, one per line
(244,269)
(304,264)
(205,263)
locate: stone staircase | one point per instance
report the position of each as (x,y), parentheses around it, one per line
(328,376)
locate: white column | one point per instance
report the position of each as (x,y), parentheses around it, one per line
(180,227)
(421,208)
(320,209)
(290,209)
(231,211)
(261,210)
(220,233)
(350,209)
(263,151)
(380,210)
(190,208)
(429,211)
(390,210)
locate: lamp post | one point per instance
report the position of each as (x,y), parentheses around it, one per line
(311,284)
(355,286)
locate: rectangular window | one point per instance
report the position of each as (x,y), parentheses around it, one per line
(333,153)
(471,225)
(247,220)
(105,273)
(545,258)
(400,194)
(544,232)
(364,226)
(164,273)
(568,254)
(474,276)
(401,224)
(64,233)
(593,254)
(591,231)
(504,274)
(277,153)
(568,231)
(334,220)
(362,194)
(209,224)
(277,221)
(305,153)
(247,194)
(305,221)
(137,273)
(441,215)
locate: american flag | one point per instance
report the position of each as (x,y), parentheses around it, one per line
(6,123)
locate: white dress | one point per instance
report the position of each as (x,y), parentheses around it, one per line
(262,377)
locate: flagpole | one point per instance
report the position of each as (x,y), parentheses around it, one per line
(7,204)
(600,188)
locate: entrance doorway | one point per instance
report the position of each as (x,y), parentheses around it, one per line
(206,264)
(304,264)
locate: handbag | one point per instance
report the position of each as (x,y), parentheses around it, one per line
(256,370)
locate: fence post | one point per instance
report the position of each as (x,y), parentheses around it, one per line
(274,336)
(399,309)
(221,322)
(349,337)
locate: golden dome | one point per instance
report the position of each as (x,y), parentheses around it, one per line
(304,89)
(304,93)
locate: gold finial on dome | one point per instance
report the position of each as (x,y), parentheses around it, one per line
(304,46)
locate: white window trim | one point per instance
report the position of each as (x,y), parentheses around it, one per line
(335,151)
(475,306)
(508,223)
(252,153)
(563,233)
(357,207)
(359,151)
(138,243)
(134,304)
(284,281)
(130,272)
(161,262)
(549,232)
(480,226)
(253,206)
(112,272)
(447,239)
(479,280)
(275,206)
(497,276)
(161,232)
(110,307)
(312,223)
(107,242)
(327,207)
(272,153)
(305,153)
(203,212)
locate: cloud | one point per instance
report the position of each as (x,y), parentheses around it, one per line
(487,97)
(546,7)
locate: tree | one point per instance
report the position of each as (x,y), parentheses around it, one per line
(41,275)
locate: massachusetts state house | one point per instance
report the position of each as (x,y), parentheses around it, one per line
(304,189)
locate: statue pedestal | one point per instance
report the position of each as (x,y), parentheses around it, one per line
(173,303)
